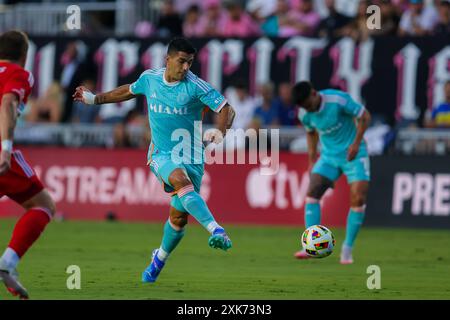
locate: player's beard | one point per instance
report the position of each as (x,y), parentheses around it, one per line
(182,75)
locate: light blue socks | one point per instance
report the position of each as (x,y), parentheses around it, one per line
(171,238)
(354,222)
(312,214)
(196,206)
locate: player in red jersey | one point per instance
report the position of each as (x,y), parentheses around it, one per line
(18,180)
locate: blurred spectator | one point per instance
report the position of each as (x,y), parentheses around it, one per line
(377,137)
(390,18)
(271,25)
(440,116)
(261,9)
(191,25)
(138,120)
(121,136)
(303,21)
(418,20)
(170,22)
(212,19)
(283,103)
(184,5)
(266,114)
(83,113)
(357,29)
(75,67)
(443,25)
(332,25)
(47,108)
(400,6)
(244,105)
(238,23)
(144,29)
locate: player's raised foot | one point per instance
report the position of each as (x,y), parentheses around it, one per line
(346,255)
(10,278)
(220,240)
(301,255)
(152,272)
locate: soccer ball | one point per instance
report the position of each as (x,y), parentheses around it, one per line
(318,241)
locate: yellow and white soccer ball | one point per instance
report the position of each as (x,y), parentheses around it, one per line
(318,241)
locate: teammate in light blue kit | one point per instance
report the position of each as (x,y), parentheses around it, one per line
(176,100)
(334,118)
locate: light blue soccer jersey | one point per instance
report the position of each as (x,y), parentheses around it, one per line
(335,122)
(175,106)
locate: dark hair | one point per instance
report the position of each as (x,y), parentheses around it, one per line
(193,8)
(13,45)
(181,44)
(301,91)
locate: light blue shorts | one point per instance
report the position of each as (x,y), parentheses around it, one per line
(162,166)
(332,167)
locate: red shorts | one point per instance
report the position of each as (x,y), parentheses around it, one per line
(20,183)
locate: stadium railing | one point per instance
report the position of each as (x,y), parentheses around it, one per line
(50,18)
(100,135)
(423,141)
(408,141)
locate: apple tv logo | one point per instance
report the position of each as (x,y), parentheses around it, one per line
(286,188)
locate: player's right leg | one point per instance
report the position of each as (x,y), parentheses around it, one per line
(173,233)
(196,207)
(322,177)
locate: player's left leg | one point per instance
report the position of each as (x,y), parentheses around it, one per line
(184,180)
(173,233)
(194,204)
(39,210)
(358,176)
(355,218)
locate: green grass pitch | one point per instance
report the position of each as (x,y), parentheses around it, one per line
(414,264)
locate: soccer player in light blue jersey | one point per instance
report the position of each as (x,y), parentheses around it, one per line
(338,122)
(176,100)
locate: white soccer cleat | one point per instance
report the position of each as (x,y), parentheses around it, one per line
(346,255)
(10,278)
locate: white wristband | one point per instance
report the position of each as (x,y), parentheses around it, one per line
(7,145)
(89,97)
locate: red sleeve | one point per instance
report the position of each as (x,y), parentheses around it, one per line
(20,83)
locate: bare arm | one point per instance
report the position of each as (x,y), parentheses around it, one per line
(8,117)
(225,119)
(362,125)
(118,94)
(312,139)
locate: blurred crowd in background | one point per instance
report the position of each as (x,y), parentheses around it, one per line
(277,18)
(272,105)
(286,18)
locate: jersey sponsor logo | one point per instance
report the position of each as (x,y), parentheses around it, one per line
(2,69)
(153,95)
(167,110)
(331,129)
